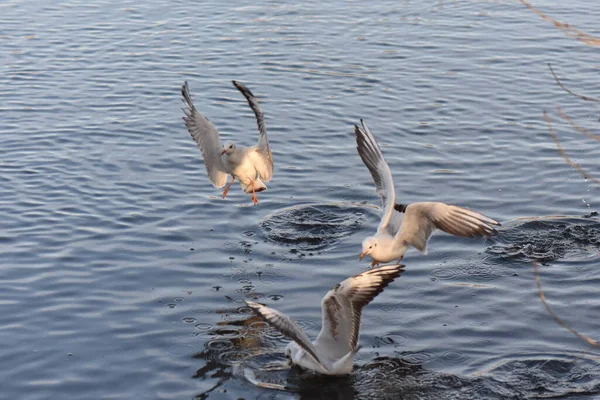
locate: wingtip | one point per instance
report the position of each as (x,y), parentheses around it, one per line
(252,304)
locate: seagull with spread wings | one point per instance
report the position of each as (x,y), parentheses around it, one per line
(332,353)
(409,225)
(250,165)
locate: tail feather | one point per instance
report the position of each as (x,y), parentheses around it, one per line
(259,186)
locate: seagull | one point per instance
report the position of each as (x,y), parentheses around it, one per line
(332,353)
(396,232)
(250,165)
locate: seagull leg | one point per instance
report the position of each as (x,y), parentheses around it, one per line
(228,186)
(254,198)
(374,264)
(400,260)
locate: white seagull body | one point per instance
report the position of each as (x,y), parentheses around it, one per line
(333,351)
(250,165)
(396,232)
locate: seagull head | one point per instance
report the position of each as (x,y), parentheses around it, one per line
(368,246)
(229,147)
(292,352)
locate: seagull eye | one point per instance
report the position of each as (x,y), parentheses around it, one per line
(371,246)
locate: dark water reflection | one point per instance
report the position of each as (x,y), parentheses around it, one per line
(123,273)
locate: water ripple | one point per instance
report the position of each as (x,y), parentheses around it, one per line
(312,227)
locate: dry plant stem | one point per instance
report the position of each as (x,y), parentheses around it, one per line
(562,152)
(575,125)
(567,29)
(586,98)
(556,317)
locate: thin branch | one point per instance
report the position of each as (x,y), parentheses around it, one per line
(567,29)
(562,152)
(575,125)
(556,317)
(587,98)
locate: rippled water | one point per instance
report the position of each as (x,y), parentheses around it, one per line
(123,272)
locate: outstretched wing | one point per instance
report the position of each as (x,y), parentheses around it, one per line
(206,137)
(372,157)
(423,218)
(261,155)
(342,308)
(287,326)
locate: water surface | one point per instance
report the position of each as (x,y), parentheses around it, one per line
(123,272)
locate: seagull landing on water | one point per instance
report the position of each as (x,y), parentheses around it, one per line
(333,351)
(396,232)
(250,165)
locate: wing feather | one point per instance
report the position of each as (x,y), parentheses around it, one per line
(422,219)
(372,157)
(261,156)
(287,326)
(206,136)
(342,308)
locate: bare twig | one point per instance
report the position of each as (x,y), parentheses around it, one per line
(556,317)
(575,125)
(562,152)
(587,98)
(567,29)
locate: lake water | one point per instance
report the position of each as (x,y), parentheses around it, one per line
(123,272)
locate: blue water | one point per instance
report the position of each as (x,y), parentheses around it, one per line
(123,272)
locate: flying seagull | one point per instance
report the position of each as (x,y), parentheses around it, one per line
(332,353)
(396,232)
(250,165)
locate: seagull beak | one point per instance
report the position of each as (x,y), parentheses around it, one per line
(223,151)
(362,255)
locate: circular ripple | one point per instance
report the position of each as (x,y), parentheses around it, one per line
(444,273)
(313,227)
(203,327)
(244,310)
(409,305)
(189,320)
(228,333)
(254,296)
(390,340)
(273,334)
(245,289)
(219,345)
(417,358)
(453,358)
(232,357)
(387,307)
(275,297)
(473,272)
(259,325)
(481,343)
(306,325)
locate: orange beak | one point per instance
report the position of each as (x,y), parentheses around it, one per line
(362,255)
